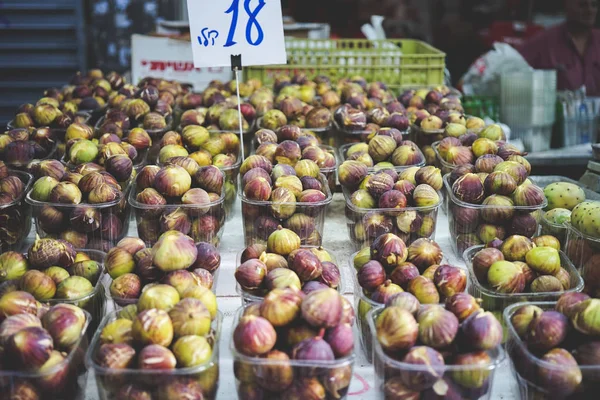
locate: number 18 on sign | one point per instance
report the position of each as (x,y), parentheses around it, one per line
(252,28)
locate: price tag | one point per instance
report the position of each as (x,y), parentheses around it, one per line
(252,28)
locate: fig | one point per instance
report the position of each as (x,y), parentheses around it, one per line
(156,357)
(506,277)
(546,283)
(544,260)
(468,188)
(476,372)
(424,290)
(522,317)
(283,241)
(281,306)
(322,308)
(585,317)
(115,356)
(54,373)
(203,294)
(523,224)
(437,327)
(158,296)
(371,275)
(566,303)
(74,287)
(330,274)
(383,292)
(528,196)
(15,323)
(192,351)
(450,280)
(423,253)
(515,248)
(425,196)
(546,330)
(351,173)
(514,169)
(403,274)
(429,368)
(277,376)
(117,332)
(559,373)
(29,348)
(174,251)
(12,266)
(341,340)
(462,305)
(313,349)
(251,274)
(152,326)
(65,323)
(254,336)
(482,331)
(487,163)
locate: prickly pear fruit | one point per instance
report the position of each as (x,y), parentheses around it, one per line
(563,195)
(585,217)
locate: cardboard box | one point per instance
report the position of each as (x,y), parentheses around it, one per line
(168,58)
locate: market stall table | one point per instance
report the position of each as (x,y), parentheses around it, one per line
(336,240)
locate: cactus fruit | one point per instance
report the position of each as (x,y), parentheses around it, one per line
(563,195)
(585,217)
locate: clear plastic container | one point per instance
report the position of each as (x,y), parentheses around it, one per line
(253,297)
(30,384)
(328,172)
(425,137)
(385,221)
(362,306)
(352,136)
(464,232)
(119,302)
(57,220)
(494,301)
(21,165)
(59,133)
(207,221)
(335,376)
(259,221)
(343,151)
(389,372)
(15,217)
(203,377)
(526,366)
(584,251)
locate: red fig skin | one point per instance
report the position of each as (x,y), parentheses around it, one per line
(30,348)
(547,331)
(371,275)
(254,336)
(341,340)
(482,331)
(313,349)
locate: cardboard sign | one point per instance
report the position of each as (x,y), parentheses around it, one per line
(166,58)
(221,28)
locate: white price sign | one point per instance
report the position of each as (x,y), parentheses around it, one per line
(221,28)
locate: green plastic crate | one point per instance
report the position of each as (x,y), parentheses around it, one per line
(398,63)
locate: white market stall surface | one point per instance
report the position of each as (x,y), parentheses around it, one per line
(335,239)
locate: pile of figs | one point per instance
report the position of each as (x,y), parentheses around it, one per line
(85,206)
(20,146)
(522,265)
(403,203)
(293,345)
(554,347)
(386,149)
(293,194)
(492,199)
(134,267)
(42,348)
(282,263)
(163,348)
(435,350)
(179,196)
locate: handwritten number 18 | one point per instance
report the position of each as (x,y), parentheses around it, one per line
(252,14)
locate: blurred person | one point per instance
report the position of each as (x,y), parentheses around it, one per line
(571,48)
